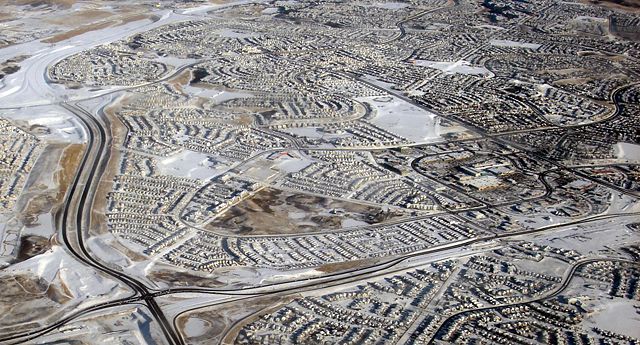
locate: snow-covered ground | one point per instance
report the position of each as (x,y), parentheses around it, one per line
(206,8)
(619,315)
(51,123)
(81,281)
(452,67)
(591,238)
(404,119)
(191,164)
(267,166)
(390,5)
(315,133)
(514,44)
(627,151)
(29,85)
(195,327)
(216,96)
(9,237)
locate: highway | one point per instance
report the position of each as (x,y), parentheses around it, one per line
(76,214)
(74,219)
(330,280)
(97,154)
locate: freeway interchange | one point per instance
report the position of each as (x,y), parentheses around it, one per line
(246,179)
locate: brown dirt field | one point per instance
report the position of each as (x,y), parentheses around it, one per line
(31,246)
(60,3)
(118,133)
(624,5)
(273,212)
(245,120)
(181,80)
(4,15)
(68,165)
(57,295)
(347,265)
(93,27)
(571,81)
(39,198)
(78,31)
(80,17)
(133,18)
(18,296)
(172,277)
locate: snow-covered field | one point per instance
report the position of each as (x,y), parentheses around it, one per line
(404,119)
(81,281)
(191,164)
(315,133)
(618,316)
(513,44)
(49,123)
(452,67)
(390,5)
(217,96)
(29,86)
(627,151)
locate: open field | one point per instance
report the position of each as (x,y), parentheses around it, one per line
(272,212)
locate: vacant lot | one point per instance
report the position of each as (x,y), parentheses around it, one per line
(272,211)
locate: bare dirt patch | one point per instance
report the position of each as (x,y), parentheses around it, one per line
(67,168)
(49,181)
(80,17)
(31,246)
(78,31)
(118,133)
(93,27)
(51,3)
(347,265)
(176,278)
(18,296)
(6,16)
(272,211)
(625,5)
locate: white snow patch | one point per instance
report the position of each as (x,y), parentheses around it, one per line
(390,5)
(195,327)
(514,44)
(452,67)
(619,317)
(55,124)
(315,133)
(402,118)
(352,223)
(627,151)
(230,33)
(81,280)
(589,18)
(217,96)
(190,164)
(10,91)
(291,165)
(270,10)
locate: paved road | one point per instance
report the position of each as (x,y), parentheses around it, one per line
(566,279)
